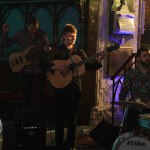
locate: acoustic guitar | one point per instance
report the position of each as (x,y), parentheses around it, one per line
(61,80)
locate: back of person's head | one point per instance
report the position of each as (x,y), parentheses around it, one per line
(140,50)
(31,20)
(68,28)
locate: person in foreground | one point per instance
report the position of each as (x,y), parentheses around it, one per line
(34,41)
(68,98)
(137,82)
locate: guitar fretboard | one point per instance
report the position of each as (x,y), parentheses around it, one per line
(111,48)
(88,59)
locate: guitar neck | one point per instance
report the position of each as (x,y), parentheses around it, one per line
(111,48)
(88,59)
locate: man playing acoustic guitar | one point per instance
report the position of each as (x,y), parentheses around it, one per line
(31,75)
(64,66)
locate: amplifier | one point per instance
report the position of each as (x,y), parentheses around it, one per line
(30,134)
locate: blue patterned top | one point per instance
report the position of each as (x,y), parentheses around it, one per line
(138,84)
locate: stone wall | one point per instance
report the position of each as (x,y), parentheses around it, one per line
(104,83)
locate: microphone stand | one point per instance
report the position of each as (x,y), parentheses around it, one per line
(123,119)
(74,70)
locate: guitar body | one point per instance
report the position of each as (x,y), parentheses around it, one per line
(59,80)
(18,60)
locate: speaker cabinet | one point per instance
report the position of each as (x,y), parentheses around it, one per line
(9,138)
(104,133)
(29,128)
(30,134)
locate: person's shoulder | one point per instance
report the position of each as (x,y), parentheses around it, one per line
(40,31)
(80,51)
(131,72)
(55,47)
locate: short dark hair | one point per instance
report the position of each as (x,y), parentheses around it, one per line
(31,20)
(140,50)
(68,28)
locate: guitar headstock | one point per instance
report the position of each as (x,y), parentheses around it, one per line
(113,47)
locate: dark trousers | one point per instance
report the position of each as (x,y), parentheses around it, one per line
(33,84)
(67,102)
